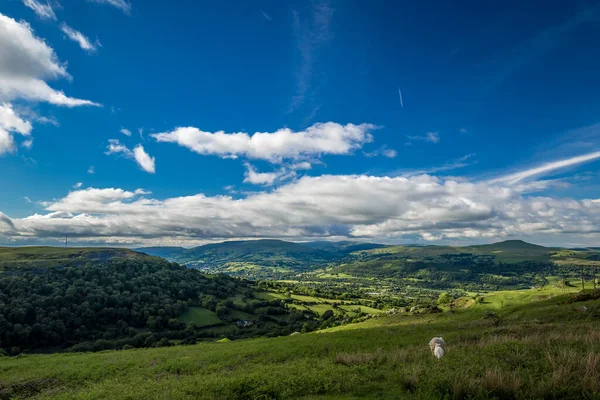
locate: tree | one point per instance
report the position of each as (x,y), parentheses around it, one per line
(444,298)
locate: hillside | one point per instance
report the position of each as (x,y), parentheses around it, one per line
(108,298)
(516,345)
(42,257)
(265,253)
(342,247)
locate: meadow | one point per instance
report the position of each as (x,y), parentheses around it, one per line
(511,344)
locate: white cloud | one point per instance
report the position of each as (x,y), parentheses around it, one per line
(120,4)
(546,168)
(10,121)
(431,137)
(27,200)
(91,169)
(77,185)
(47,120)
(26,63)
(326,206)
(144,160)
(138,154)
(259,178)
(300,165)
(28,144)
(79,38)
(382,151)
(115,147)
(7,143)
(125,132)
(322,138)
(43,11)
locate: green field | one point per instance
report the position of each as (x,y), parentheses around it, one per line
(536,345)
(200,316)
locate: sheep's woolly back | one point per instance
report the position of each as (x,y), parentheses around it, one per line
(438,352)
(437,341)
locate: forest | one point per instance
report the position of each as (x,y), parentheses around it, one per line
(130,303)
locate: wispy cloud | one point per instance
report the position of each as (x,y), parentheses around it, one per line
(28,143)
(79,38)
(382,151)
(27,200)
(310,35)
(91,170)
(120,4)
(266,16)
(540,44)
(125,131)
(546,169)
(400,95)
(43,11)
(77,185)
(431,137)
(461,162)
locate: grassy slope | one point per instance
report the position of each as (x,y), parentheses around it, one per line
(44,257)
(200,316)
(541,349)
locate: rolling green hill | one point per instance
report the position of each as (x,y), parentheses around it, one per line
(534,344)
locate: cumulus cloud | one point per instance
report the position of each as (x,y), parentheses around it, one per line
(79,38)
(43,11)
(420,206)
(322,138)
(138,154)
(120,4)
(26,63)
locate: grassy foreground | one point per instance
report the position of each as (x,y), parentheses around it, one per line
(519,344)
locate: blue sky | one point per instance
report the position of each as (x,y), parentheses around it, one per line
(495,137)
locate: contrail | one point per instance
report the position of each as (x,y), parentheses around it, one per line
(400,94)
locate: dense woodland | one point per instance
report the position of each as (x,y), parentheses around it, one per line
(131,303)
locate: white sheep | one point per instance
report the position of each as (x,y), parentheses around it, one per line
(437,346)
(438,352)
(437,340)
